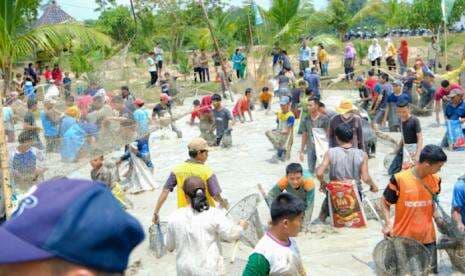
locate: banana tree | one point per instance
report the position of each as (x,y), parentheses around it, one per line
(18,42)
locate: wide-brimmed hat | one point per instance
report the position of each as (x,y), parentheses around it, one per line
(345,106)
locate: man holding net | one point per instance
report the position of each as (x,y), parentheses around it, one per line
(194,166)
(413,192)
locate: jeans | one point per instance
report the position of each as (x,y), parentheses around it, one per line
(324,69)
(402,66)
(311,160)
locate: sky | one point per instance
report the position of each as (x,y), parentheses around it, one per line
(84,9)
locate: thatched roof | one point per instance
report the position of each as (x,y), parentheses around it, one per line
(53,14)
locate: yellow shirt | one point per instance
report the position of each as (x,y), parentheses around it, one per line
(453,76)
(188,169)
(391,50)
(322,56)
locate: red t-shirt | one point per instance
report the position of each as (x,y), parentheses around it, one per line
(441,92)
(371,83)
(199,110)
(241,106)
(48,75)
(57,76)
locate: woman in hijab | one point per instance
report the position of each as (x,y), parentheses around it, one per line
(195,232)
(391,52)
(402,56)
(349,61)
(374,54)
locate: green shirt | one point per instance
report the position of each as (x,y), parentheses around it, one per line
(257,265)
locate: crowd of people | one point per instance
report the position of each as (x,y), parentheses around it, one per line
(333,142)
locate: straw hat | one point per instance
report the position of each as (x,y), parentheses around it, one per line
(345,106)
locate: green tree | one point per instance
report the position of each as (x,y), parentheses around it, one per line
(428,13)
(18,41)
(118,23)
(392,13)
(339,16)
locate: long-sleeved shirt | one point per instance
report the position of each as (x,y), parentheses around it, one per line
(453,76)
(196,238)
(374,52)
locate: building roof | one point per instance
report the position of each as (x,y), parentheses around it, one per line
(53,14)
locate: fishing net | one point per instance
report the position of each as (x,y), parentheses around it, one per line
(455,248)
(401,256)
(372,207)
(246,209)
(157,238)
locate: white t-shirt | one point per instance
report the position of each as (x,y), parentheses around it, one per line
(196,238)
(374,52)
(151,64)
(283,259)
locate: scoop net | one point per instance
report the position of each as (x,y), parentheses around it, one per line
(246,209)
(401,256)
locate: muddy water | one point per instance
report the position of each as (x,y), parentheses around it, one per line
(325,251)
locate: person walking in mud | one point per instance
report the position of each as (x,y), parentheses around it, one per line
(162,108)
(344,162)
(194,166)
(282,137)
(413,193)
(347,117)
(223,122)
(314,121)
(411,139)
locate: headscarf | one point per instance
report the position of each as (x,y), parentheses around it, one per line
(73,111)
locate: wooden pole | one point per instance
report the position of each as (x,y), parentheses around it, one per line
(217,50)
(445,43)
(6,185)
(251,41)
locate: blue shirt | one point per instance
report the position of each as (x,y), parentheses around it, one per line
(455,113)
(50,127)
(141,116)
(458,197)
(313,81)
(66,123)
(393,98)
(304,54)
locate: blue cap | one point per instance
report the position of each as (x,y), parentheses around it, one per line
(78,221)
(284,100)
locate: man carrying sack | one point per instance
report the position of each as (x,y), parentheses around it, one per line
(413,192)
(348,167)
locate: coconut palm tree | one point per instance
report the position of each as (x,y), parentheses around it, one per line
(18,42)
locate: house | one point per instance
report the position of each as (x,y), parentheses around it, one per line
(53,14)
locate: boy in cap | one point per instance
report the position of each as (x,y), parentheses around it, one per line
(395,97)
(243,105)
(283,135)
(69,241)
(194,166)
(298,183)
(163,108)
(276,253)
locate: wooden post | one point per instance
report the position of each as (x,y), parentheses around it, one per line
(217,50)
(445,44)
(251,41)
(6,186)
